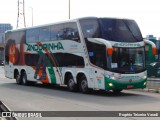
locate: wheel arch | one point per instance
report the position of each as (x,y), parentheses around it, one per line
(79,76)
(15,73)
(67,73)
(22,71)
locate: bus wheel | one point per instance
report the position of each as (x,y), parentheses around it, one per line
(72,86)
(83,85)
(18,79)
(117,91)
(24,79)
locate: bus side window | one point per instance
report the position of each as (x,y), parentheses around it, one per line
(57,32)
(71,32)
(44,34)
(68,61)
(31,59)
(90,28)
(32,35)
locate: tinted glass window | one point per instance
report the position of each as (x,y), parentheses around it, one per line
(71,32)
(90,28)
(120,30)
(32,35)
(57,32)
(70,60)
(31,59)
(44,34)
(97,54)
(128,60)
(134,29)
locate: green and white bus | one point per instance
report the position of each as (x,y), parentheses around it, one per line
(86,53)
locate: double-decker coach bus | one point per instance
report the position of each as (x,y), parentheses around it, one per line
(86,53)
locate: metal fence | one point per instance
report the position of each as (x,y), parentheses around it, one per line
(153,83)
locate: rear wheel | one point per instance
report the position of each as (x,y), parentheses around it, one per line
(24,78)
(72,86)
(18,79)
(83,85)
(117,91)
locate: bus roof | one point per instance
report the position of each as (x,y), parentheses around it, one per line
(73,20)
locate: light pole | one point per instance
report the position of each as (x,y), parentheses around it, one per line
(32,15)
(69,9)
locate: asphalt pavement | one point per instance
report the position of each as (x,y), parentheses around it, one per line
(58,98)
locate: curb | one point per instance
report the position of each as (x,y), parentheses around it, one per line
(151,90)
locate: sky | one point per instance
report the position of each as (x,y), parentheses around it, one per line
(144,12)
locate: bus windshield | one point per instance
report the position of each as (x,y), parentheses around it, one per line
(127,60)
(123,60)
(118,30)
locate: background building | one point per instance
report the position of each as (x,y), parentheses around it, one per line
(3,28)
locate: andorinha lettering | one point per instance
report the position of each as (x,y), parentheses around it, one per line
(133,77)
(127,45)
(48,46)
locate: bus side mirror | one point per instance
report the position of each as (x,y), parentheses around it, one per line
(109,51)
(154,51)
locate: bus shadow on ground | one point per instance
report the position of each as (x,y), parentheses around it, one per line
(91,92)
(58,88)
(102,97)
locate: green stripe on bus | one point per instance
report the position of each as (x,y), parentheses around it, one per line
(52,75)
(50,69)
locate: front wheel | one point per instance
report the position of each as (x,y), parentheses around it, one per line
(83,85)
(117,91)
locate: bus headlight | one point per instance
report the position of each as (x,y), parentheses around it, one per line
(144,77)
(145,83)
(112,77)
(110,84)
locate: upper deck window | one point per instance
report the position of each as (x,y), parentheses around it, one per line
(120,30)
(32,35)
(44,34)
(90,28)
(65,31)
(57,32)
(71,32)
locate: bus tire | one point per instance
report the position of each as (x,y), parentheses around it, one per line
(72,86)
(83,85)
(117,91)
(18,79)
(24,78)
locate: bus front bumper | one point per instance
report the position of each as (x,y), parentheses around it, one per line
(113,84)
